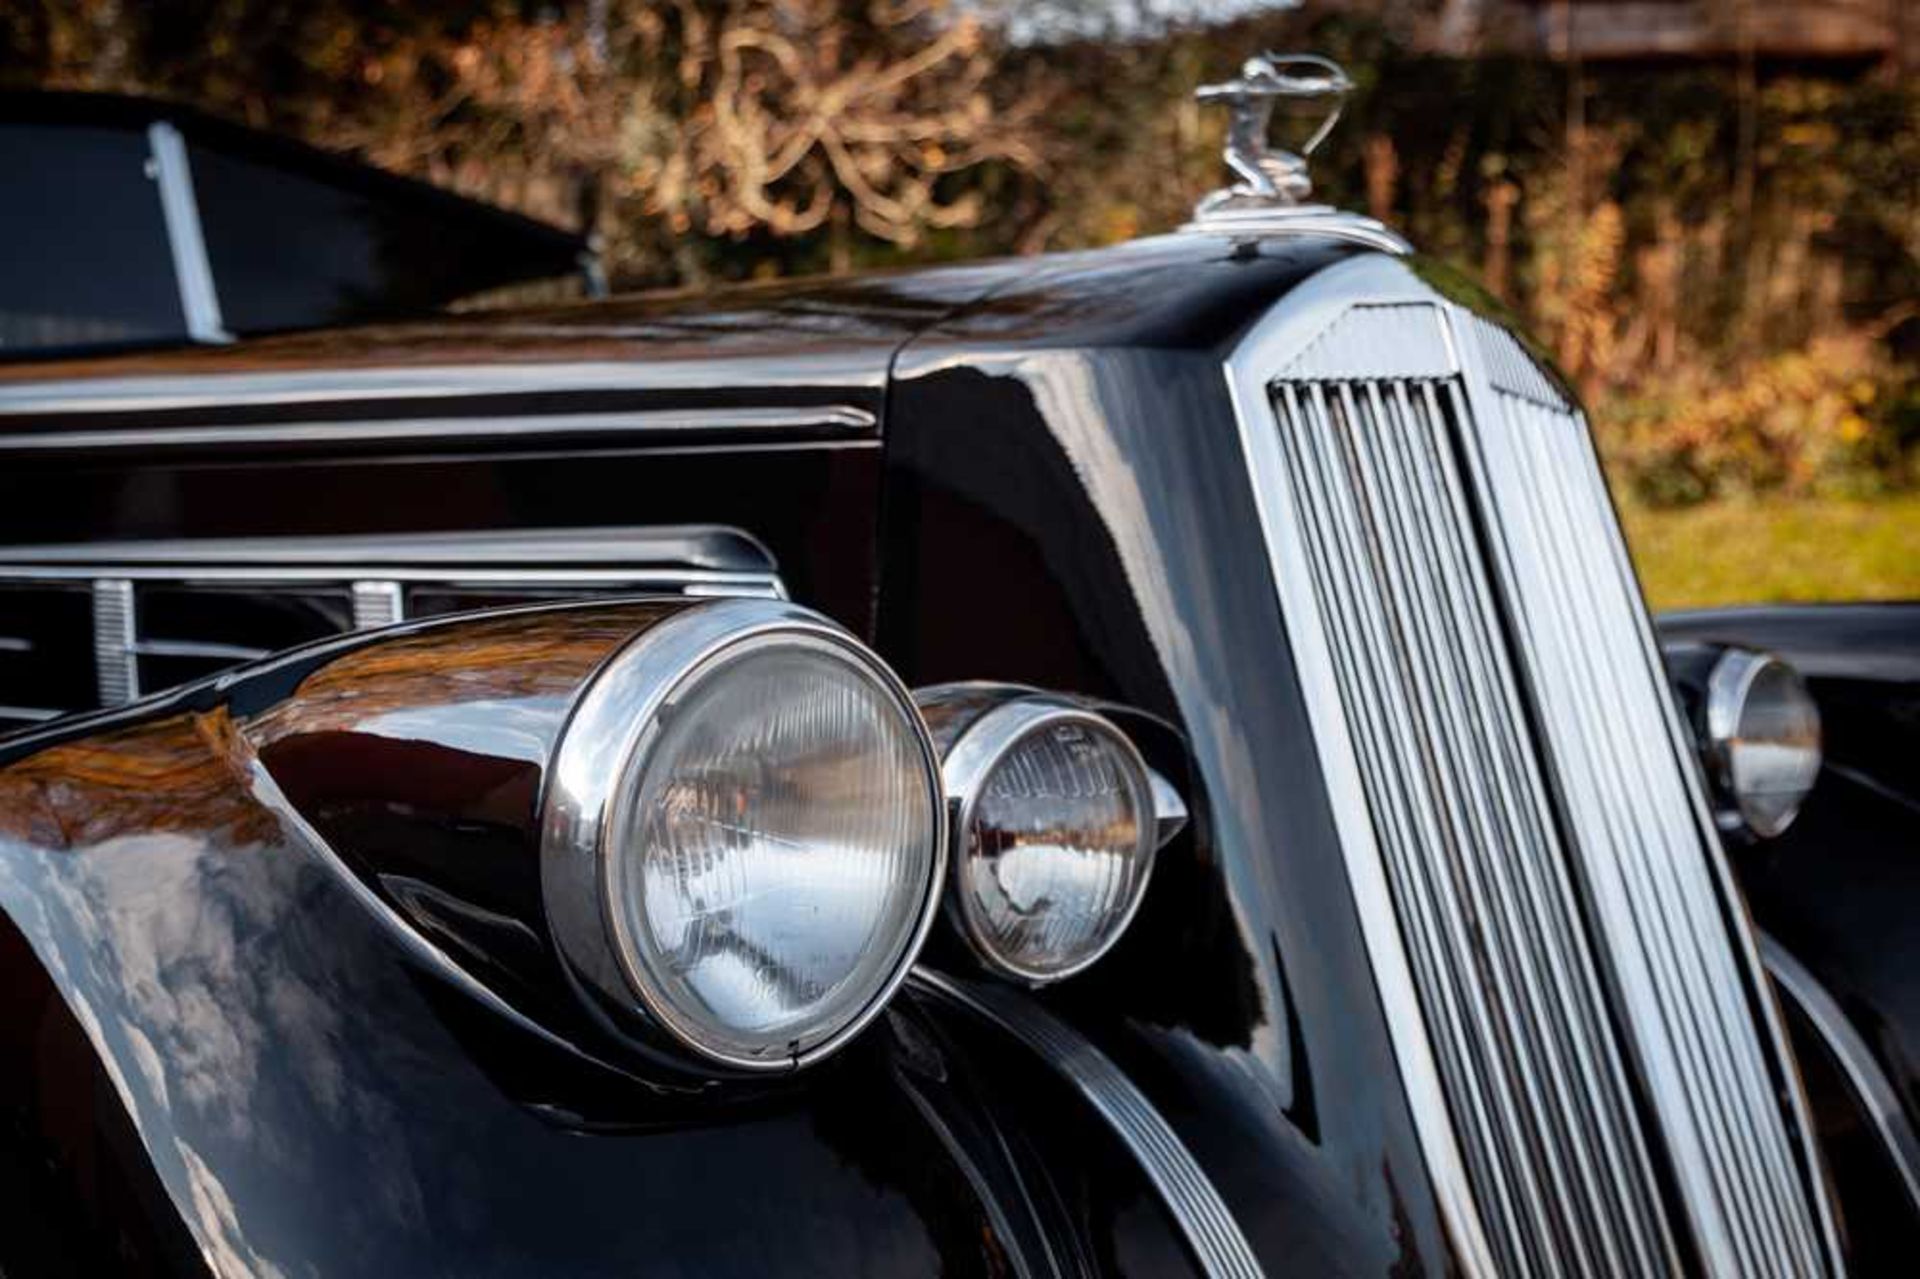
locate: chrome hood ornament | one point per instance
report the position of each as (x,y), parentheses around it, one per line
(1273,181)
(1270,175)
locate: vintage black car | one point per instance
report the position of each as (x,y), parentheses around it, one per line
(1148,761)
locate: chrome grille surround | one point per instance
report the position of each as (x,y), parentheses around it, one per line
(1593,1064)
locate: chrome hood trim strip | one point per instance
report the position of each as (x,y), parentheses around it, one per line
(1203,1217)
(635,423)
(1864,1074)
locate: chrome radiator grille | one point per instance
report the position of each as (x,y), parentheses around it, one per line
(1567,987)
(1642,834)
(1482,887)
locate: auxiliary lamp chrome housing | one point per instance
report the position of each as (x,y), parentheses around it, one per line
(1054,819)
(1761,741)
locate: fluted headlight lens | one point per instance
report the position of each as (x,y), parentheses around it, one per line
(1057,839)
(770,847)
(1764,731)
(776,849)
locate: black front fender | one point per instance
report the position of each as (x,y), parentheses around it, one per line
(227,1053)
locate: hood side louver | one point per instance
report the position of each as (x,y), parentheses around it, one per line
(102,624)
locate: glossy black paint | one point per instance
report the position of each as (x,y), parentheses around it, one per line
(1878,1216)
(1054,496)
(814,502)
(1837,889)
(302,1090)
(1067,506)
(809,343)
(1862,663)
(1041,450)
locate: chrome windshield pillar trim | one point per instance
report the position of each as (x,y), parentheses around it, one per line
(199,300)
(1198,1210)
(1864,1074)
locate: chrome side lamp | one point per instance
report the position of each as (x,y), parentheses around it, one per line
(1763,741)
(1054,820)
(1757,729)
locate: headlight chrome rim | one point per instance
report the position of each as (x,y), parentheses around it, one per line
(1730,683)
(972,759)
(603,747)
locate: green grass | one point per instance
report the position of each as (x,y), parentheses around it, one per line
(1776,550)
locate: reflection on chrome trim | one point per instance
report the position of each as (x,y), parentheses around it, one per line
(634,422)
(114,637)
(971,758)
(692,560)
(1307,313)
(187,393)
(1870,1083)
(377,604)
(1170,814)
(1016,1243)
(714,559)
(1730,683)
(639,579)
(614,722)
(1203,1217)
(709,546)
(1306,220)
(1541,896)
(977,698)
(1667,914)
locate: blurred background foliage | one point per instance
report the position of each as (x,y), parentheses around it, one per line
(1722,252)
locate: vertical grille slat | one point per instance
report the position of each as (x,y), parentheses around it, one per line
(1553,508)
(1514,795)
(1590,724)
(1496,822)
(1465,824)
(1397,763)
(1604,1121)
(1459,806)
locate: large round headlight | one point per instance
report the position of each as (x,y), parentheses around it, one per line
(743,834)
(1763,739)
(1054,835)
